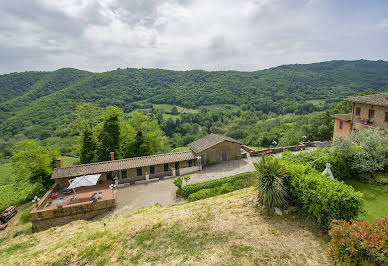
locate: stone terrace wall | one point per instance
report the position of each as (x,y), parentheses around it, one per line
(44,219)
(299,147)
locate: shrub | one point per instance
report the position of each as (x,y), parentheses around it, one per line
(359,243)
(318,159)
(19,193)
(270,186)
(368,150)
(25,216)
(319,197)
(190,189)
(223,189)
(186,178)
(178,182)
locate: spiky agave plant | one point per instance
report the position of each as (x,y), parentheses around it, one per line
(270,185)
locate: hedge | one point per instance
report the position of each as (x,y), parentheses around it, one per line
(319,197)
(223,189)
(186,191)
(320,157)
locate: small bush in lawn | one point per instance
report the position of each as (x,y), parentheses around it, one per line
(359,243)
(270,185)
(178,182)
(25,216)
(186,178)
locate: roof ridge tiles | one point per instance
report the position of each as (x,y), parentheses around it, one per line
(125,159)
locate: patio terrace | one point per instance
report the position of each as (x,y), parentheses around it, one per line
(82,196)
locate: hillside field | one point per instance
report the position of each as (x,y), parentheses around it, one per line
(227,230)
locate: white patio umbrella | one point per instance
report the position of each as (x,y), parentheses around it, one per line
(84,181)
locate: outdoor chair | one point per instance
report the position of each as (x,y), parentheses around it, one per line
(73,198)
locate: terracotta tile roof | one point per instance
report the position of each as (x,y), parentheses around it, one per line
(209,141)
(343,117)
(101,167)
(380,99)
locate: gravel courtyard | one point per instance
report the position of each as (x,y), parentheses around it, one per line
(163,192)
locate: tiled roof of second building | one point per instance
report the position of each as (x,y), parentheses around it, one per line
(380,99)
(209,141)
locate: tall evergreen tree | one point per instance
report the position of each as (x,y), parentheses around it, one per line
(109,136)
(139,146)
(88,146)
(141,136)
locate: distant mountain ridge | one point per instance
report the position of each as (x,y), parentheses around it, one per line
(34,101)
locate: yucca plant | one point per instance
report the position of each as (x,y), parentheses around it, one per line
(270,185)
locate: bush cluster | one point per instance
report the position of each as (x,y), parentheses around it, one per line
(223,189)
(318,159)
(359,243)
(319,197)
(193,188)
(19,193)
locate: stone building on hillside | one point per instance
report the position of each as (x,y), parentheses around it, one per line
(370,111)
(61,205)
(207,150)
(215,148)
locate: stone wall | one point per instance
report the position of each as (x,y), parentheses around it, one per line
(44,219)
(188,170)
(132,176)
(379,115)
(132,173)
(299,147)
(214,154)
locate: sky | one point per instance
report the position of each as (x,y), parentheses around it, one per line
(102,35)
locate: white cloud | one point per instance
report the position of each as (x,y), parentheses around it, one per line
(180,34)
(383,24)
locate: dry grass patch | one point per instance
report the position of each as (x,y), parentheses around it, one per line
(227,229)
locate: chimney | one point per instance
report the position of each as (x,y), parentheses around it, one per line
(112,156)
(59,162)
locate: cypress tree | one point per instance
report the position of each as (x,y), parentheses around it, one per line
(109,137)
(88,146)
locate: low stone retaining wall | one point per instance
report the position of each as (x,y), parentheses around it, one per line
(299,147)
(44,219)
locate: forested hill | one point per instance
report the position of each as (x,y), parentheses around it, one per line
(43,102)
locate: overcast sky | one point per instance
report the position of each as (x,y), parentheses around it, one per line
(103,35)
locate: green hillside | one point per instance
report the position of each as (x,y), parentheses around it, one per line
(41,104)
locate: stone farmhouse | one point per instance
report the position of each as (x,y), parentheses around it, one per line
(370,111)
(207,150)
(60,206)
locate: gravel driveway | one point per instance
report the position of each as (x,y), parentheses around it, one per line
(163,192)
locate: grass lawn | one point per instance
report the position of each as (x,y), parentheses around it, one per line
(376,199)
(224,230)
(167,116)
(69,161)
